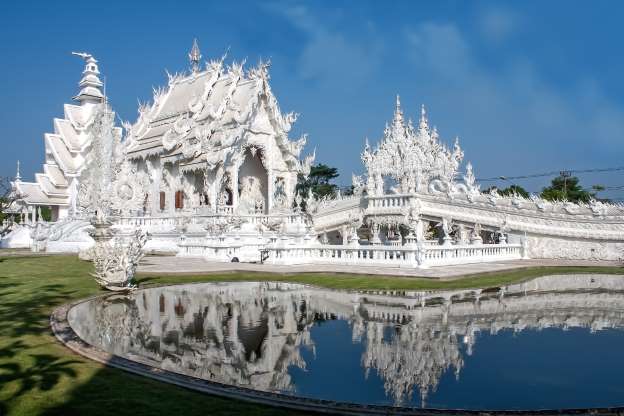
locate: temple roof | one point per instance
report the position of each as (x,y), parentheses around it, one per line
(202,113)
(32,194)
(66,146)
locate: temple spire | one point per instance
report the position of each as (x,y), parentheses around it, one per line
(195,56)
(398,112)
(90,84)
(423,125)
(18,177)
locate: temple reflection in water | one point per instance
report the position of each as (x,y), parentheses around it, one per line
(252,334)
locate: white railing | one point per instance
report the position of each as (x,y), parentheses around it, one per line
(455,254)
(403,256)
(388,201)
(173,221)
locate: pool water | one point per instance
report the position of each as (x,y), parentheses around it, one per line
(553,342)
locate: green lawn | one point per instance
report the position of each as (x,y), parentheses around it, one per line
(40,376)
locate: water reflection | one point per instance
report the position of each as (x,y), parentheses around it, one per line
(256,334)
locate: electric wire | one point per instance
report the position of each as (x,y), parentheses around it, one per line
(552,173)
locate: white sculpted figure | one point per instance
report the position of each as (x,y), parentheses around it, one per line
(446,227)
(116,261)
(251,196)
(279,195)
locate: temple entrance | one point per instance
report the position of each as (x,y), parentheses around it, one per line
(252,184)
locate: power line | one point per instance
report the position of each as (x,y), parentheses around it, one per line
(552,173)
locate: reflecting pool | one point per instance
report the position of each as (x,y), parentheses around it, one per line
(553,342)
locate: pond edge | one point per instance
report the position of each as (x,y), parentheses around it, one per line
(63,331)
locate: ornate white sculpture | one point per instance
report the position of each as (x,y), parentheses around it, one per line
(116,261)
(252,196)
(109,185)
(414,158)
(98,183)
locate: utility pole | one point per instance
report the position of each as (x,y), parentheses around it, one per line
(565,174)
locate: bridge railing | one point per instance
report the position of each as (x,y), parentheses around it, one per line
(173,221)
(401,256)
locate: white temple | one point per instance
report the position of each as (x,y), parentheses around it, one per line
(209,170)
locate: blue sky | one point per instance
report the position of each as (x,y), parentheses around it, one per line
(528,86)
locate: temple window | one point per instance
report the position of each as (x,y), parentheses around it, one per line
(179,199)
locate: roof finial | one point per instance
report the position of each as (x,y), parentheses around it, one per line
(18,177)
(90,84)
(424,124)
(398,113)
(195,56)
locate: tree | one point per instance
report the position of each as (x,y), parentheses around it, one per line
(7,198)
(509,191)
(319,181)
(565,187)
(514,190)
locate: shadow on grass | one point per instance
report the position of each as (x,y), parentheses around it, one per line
(26,314)
(42,373)
(39,377)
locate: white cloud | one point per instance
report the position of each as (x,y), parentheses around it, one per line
(329,57)
(513,114)
(497,24)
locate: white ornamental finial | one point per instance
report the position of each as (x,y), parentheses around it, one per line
(424,124)
(195,56)
(398,114)
(18,177)
(90,84)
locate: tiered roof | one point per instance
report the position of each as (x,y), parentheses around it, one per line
(66,147)
(203,117)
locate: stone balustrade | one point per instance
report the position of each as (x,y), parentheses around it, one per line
(401,256)
(388,201)
(173,221)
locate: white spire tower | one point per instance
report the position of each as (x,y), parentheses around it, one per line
(90,84)
(398,112)
(195,56)
(423,125)
(18,177)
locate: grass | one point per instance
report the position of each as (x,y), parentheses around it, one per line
(40,376)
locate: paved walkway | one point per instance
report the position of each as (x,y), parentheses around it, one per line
(170,264)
